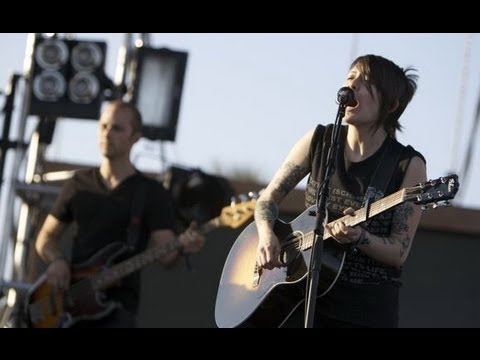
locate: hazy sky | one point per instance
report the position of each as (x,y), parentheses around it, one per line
(247,98)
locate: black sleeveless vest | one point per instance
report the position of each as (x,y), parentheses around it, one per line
(348,186)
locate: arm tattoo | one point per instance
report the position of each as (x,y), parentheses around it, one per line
(400,226)
(405,243)
(293,174)
(400,219)
(387,240)
(267,210)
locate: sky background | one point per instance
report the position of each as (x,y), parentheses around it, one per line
(247,98)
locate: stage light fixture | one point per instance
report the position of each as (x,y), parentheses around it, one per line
(83,88)
(52,54)
(157,83)
(68,77)
(87,56)
(49,86)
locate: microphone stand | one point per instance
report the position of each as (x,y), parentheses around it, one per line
(345,96)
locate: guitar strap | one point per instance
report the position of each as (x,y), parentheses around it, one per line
(134,228)
(385,169)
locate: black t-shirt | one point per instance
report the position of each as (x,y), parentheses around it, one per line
(103,216)
(366,292)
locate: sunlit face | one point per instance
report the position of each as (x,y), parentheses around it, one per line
(115,133)
(365,112)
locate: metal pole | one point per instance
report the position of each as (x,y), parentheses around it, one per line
(5,145)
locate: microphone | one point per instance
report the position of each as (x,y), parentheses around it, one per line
(346,97)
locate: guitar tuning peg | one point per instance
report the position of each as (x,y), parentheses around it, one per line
(243,197)
(435,205)
(254,195)
(444,203)
(233,201)
(424,207)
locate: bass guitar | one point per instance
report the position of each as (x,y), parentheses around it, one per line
(85,298)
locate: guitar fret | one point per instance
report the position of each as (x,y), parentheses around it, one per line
(360,215)
(232,216)
(116,272)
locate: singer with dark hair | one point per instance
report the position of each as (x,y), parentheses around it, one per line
(370,164)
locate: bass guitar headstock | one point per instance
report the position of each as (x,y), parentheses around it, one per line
(240,210)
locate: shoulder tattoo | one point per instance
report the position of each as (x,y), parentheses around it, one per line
(293,175)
